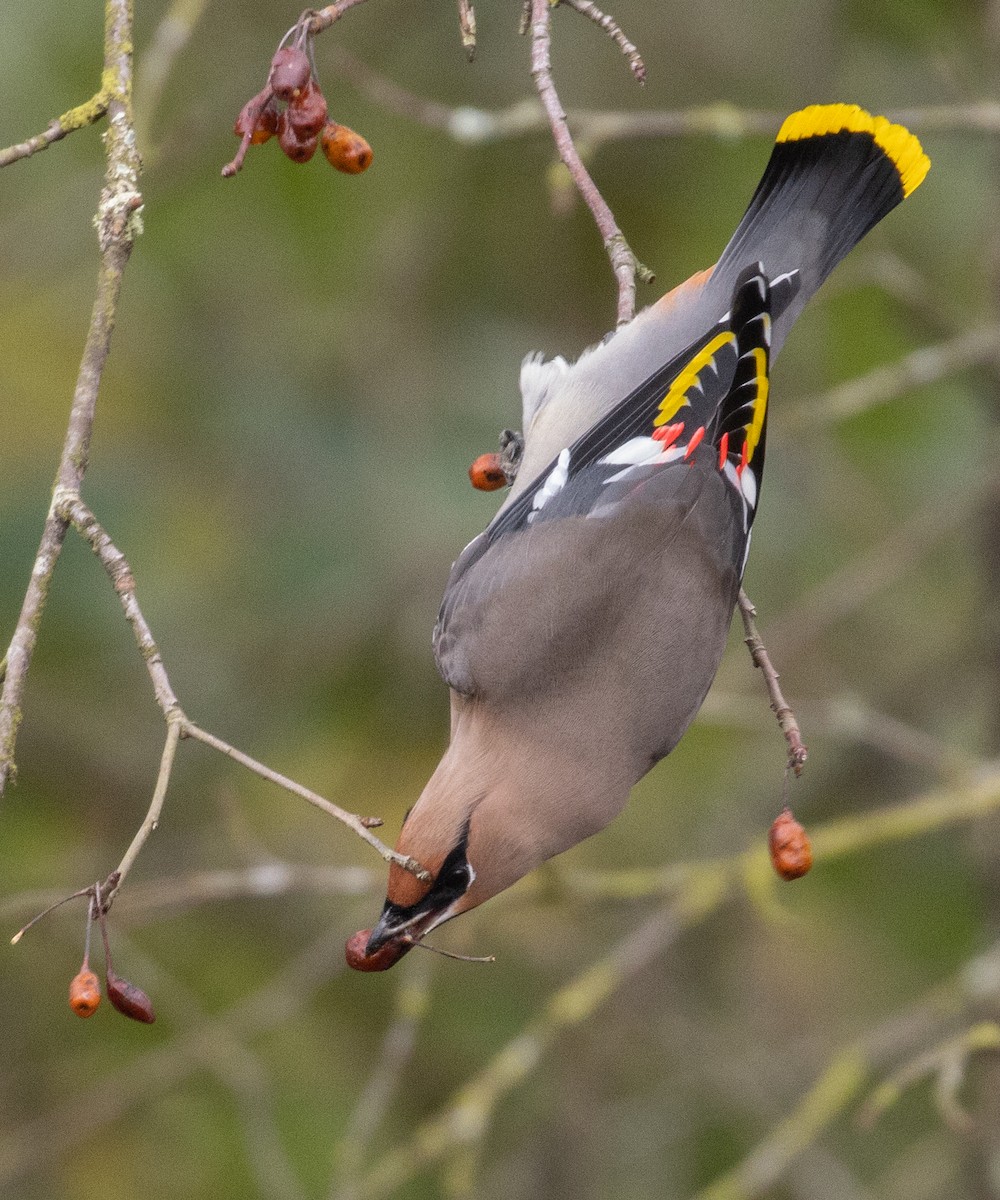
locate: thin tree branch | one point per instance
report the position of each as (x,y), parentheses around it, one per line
(152,818)
(614,31)
(323,18)
(265,880)
(118,225)
(797,751)
(624,263)
(71,508)
(467,28)
(362,826)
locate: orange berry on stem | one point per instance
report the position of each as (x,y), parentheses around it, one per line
(84,993)
(346,150)
(791,850)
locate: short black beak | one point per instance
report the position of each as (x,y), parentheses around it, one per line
(393,921)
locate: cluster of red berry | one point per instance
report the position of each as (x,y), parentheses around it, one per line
(303,124)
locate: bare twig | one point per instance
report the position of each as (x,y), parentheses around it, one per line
(118,225)
(361,825)
(614,31)
(797,752)
(265,880)
(623,262)
(821,1105)
(947,1061)
(323,18)
(70,507)
(152,818)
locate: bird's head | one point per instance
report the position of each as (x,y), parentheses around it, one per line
(472,853)
(498,805)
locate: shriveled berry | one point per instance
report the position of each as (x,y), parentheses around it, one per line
(487,474)
(267,124)
(260,123)
(383,958)
(290,72)
(84,993)
(307,112)
(346,150)
(298,149)
(128,999)
(791,850)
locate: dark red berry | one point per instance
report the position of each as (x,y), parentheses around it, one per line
(262,123)
(290,72)
(307,112)
(298,149)
(128,999)
(383,958)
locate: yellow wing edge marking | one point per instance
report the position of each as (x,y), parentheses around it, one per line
(896,142)
(756,426)
(687,377)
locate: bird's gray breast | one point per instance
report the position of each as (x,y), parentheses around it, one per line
(612,626)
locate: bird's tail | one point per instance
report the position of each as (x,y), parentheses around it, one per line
(834,173)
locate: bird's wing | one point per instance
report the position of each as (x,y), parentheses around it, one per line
(834,172)
(702,415)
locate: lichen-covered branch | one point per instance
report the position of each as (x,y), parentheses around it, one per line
(118,225)
(79,117)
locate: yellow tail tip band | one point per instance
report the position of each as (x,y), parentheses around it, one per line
(896,142)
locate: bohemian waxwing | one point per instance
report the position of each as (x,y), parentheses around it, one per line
(580,632)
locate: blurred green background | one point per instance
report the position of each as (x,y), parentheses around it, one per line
(305,364)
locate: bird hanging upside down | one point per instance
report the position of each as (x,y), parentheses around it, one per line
(579,634)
